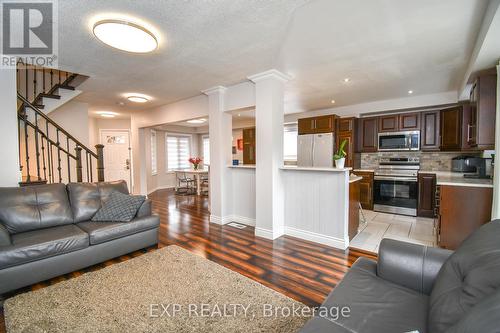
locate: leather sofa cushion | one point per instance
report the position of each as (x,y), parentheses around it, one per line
(4,236)
(34,207)
(87,198)
(471,274)
(39,244)
(101,232)
(483,317)
(376,305)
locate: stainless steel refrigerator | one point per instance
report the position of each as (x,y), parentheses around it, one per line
(315,150)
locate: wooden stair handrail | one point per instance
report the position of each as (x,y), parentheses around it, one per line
(53,123)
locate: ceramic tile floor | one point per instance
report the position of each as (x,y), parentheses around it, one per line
(411,229)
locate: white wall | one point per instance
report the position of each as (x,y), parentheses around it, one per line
(73,117)
(98,124)
(9,172)
(243,189)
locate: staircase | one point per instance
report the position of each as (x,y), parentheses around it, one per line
(47,152)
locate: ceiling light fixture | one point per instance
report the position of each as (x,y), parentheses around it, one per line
(107,114)
(138,99)
(347,79)
(333,101)
(410,92)
(197,121)
(125,36)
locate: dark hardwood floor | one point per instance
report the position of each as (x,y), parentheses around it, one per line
(302,270)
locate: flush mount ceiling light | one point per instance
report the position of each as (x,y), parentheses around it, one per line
(197,121)
(138,99)
(347,80)
(107,114)
(125,36)
(333,101)
(410,92)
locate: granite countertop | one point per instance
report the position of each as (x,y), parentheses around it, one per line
(295,168)
(354,178)
(363,170)
(458,179)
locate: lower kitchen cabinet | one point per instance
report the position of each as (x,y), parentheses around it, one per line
(426,190)
(461,210)
(365,189)
(353,209)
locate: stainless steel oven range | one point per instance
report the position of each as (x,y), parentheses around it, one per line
(395,185)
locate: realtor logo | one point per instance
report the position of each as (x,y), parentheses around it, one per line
(29,32)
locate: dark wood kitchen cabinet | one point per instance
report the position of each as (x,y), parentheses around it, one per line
(353,209)
(316,125)
(365,189)
(462,209)
(451,129)
(469,127)
(346,130)
(429,131)
(481,130)
(367,135)
(249,145)
(426,194)
(388,123)
(409,122)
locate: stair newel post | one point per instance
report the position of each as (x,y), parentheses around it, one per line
(37,149)
(100,162)
(79,176)
(26,145)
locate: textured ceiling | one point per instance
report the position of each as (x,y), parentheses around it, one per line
(386,47)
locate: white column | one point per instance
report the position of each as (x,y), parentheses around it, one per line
(9,173)
(220,133)
(495,214)
(269,113)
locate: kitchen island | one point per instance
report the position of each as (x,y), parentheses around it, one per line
(317,204)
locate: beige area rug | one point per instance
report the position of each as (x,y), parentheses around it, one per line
(168,290)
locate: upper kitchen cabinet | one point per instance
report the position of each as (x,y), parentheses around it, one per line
(315,125)
(346,130)
(429,132)
(388,123)
(483,106)
(399,122)
(409,121)
(249,145)
(367,135)
(451,129)
(469,127)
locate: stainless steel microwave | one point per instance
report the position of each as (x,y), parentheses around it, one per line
(408,140)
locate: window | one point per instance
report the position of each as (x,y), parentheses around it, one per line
(206,150)
(178,151)
(154,154)
(290,142)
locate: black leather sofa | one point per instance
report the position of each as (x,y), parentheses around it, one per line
(45,231)
(417,288)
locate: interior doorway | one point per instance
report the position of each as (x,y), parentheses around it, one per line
(117,164)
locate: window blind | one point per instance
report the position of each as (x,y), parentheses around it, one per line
(178,151)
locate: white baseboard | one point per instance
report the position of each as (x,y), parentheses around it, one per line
(220,220)
(243,220)
(160,188)
(317,238)
(268,234)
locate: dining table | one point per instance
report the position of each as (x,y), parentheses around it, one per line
(196,174)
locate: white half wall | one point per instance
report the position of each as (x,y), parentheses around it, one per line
(9,173)
(243,192)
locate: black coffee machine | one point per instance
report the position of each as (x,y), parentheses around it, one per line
(479,164)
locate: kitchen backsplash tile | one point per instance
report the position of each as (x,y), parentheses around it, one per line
(429,161)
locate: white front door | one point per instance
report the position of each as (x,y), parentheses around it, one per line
(116,155)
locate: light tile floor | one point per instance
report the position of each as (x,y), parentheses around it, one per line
(411,229)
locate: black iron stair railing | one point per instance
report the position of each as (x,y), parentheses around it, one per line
(48,153)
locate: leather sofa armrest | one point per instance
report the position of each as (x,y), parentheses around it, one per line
(410,265)
(145,209)
(4,236)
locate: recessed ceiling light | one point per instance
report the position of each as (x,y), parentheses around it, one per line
(107,114)
(197,121)
(347,79)
(333,101)
(410,92)
(137,99)
(126,36)
(239,114)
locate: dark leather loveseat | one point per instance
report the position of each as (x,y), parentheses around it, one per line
(45,231)
(417,288)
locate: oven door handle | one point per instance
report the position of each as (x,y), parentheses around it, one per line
(407,179)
